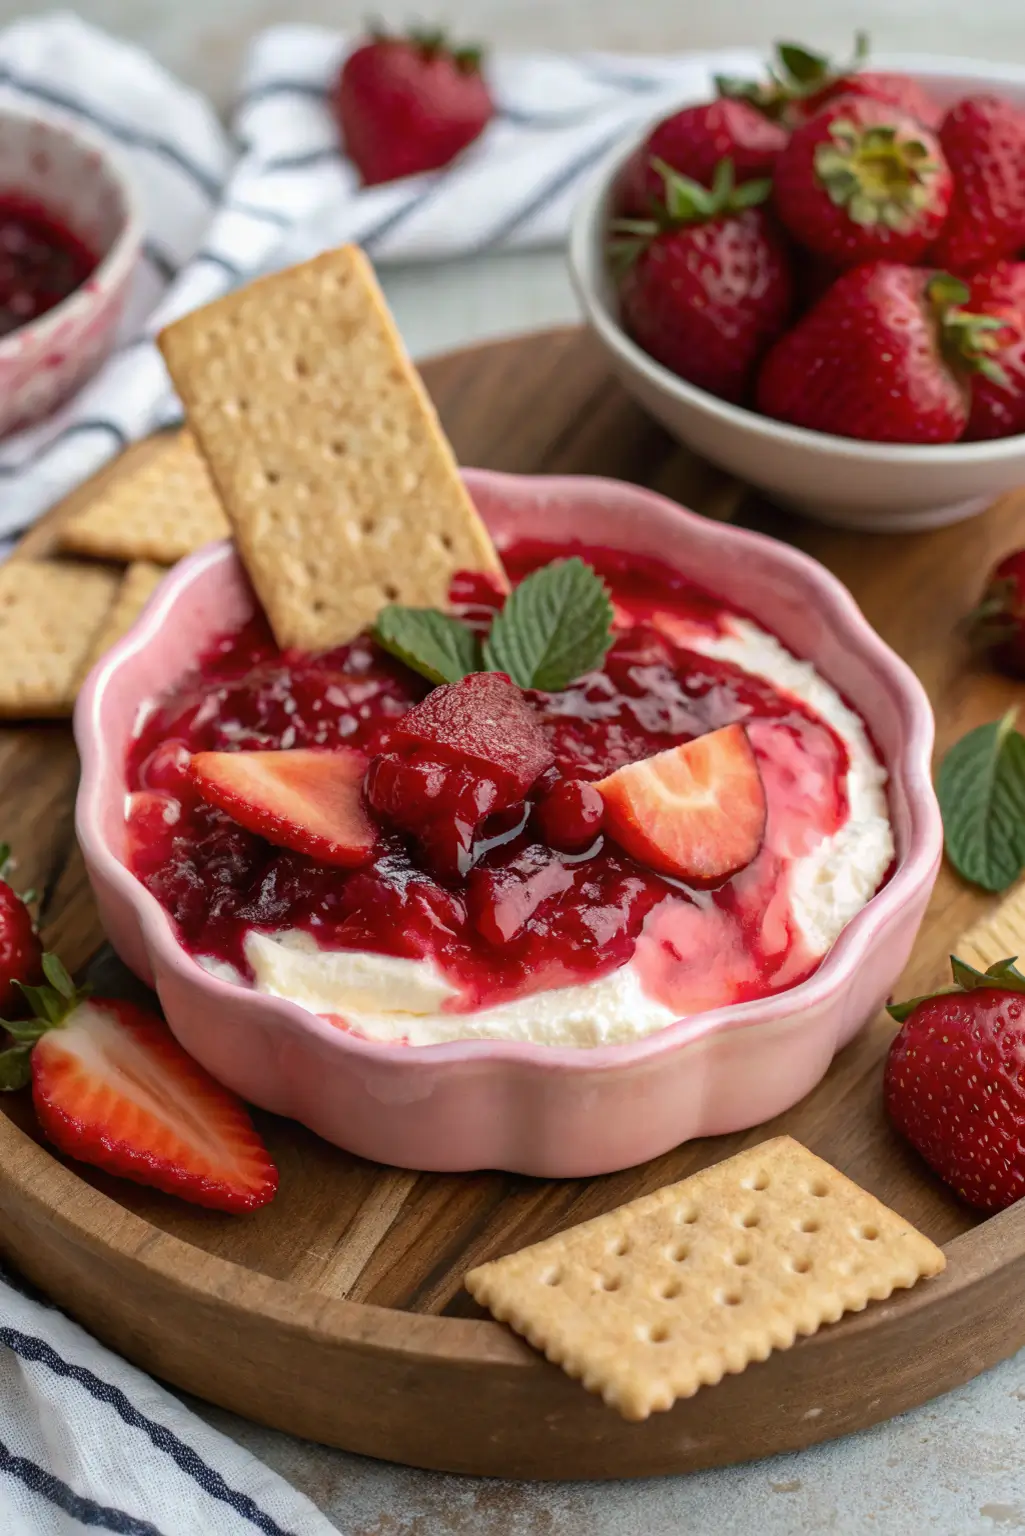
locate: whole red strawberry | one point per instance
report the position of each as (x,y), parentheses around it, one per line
(861,182)
(693,142)
(997,624)
(21,952)
(801,83)
(998,388)
(983,138)
(955,1082)
(885,355)
(409,104)
(1001,283)
(710,284)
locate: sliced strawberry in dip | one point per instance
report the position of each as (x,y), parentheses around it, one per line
(308,801)
(697,811)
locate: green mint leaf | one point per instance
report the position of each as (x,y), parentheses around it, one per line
(434,644)
(981,788)
(15,1068)
(555,626)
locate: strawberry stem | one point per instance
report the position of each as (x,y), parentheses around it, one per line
(795,72)
(1003,976)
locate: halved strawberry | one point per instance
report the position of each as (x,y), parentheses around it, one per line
(112,1087)
(697,811)
(309,801)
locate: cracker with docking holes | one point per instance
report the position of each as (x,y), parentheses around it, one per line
(669,1293)
(998,935)
(50,614)
(341,489)
(162,511)
(138,584)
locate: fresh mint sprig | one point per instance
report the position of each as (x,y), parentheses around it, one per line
(432,643)
(981,789)
(555,626)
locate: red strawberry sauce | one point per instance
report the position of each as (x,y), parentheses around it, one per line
(41,262)
(528,916)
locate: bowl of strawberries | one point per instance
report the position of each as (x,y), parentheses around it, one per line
(817,281)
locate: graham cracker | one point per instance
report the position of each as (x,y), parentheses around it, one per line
(138,584)
(163,511)
(998,936)
(50,614)
(671,1292)
(341,489)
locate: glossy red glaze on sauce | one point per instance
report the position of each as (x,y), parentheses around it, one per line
(41,262)
(528,916)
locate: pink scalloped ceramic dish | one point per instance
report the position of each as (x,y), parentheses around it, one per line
(556,1112)
(75,177)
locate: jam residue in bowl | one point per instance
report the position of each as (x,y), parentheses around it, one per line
(544,903)
(41,261)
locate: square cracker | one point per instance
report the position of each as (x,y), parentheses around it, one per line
(998,935)
(666,1294)
(162,511)
(138,584)
(342,491)
(50,614)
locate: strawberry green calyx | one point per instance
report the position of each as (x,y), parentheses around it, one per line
(431,43)
(878,174)
(686,202)
(996,617)
(795,73)
(969,341)
(1002,976)
(52,1005)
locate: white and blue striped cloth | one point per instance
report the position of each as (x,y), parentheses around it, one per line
(222,206)
(88,1443)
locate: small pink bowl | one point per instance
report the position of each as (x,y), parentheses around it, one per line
(75,176)
(553,1112)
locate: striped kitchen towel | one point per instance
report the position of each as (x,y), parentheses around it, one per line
(223,206)
(88,1443)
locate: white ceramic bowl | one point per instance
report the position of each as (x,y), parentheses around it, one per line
(76,177)
(879,487)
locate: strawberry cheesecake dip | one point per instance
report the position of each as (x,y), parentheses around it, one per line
(674,814)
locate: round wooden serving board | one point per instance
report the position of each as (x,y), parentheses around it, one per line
(338,1313)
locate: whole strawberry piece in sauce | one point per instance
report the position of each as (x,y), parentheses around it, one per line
(997,624)
(983,138)
(863,181)
(467,751)
(112,1087)
(410,104)
(693,142)
(955,1082)
(21,952)
(801,83)
(885,355)
(709,285)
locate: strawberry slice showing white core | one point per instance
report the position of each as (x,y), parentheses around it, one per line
(309,801)
(112,1087)
(696,812)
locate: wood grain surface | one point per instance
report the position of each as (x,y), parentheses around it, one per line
(258,1314)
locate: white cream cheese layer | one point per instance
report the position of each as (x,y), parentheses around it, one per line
(400,1000)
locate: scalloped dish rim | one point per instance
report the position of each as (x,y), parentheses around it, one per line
(102,776)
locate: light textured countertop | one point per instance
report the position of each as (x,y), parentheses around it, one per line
(954,1467)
